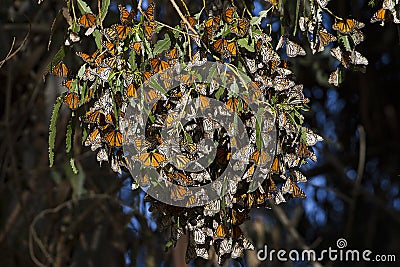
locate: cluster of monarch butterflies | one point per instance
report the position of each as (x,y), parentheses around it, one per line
(111,76)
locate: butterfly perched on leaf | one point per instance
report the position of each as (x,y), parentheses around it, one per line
(346,26)
(60,69)
(334,78)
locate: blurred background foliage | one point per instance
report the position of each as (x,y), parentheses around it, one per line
(94,219)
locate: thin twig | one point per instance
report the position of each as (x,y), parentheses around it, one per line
(183,17)
(360,173)
(281,215)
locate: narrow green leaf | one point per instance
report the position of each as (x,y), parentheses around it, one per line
(69,137)
(53,128)
(83,7)
(77,181)
(57,58)
(97,38)
(104,9)
(162,45)
(73,166)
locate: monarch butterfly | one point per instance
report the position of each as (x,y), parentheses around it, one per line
(276,165)
(232,104)
(110,33)
(172,54)
(114,138)
(149,13)
(182,178)
(94,116)
(93,138)
(228,14)
(323,3)
(346,26)
(92,59)
(297,176)
(88,75)
(293,49)
(88,20)
(146,76)
(270,185)
(303,151)
(72,100)
(241,27)
(122,31)
(112,48)
(192,21)
(236,232)
(149,29)
(268,54)
(131,91)
(137,46)
(187,79)
(213,22)
(199,236)
(293,189)
(334,78)
(125,16)
(382,15)
(324,37)
(60,69)
(159,65)
(259,157)
(237,251)
(179,192)
(142,179)
(221,232)
(225,47)
(239,217)
(67,84)
(103,73)
(151,158)
(281,83)
(273,2)
(357,37)
(72,38)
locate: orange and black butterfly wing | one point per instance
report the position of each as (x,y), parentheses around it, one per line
(87,20)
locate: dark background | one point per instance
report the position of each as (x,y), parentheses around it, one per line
(350,195)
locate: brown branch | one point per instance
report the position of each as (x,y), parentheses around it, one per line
(10,53)
(281,215)
(183,17)
(357,185)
